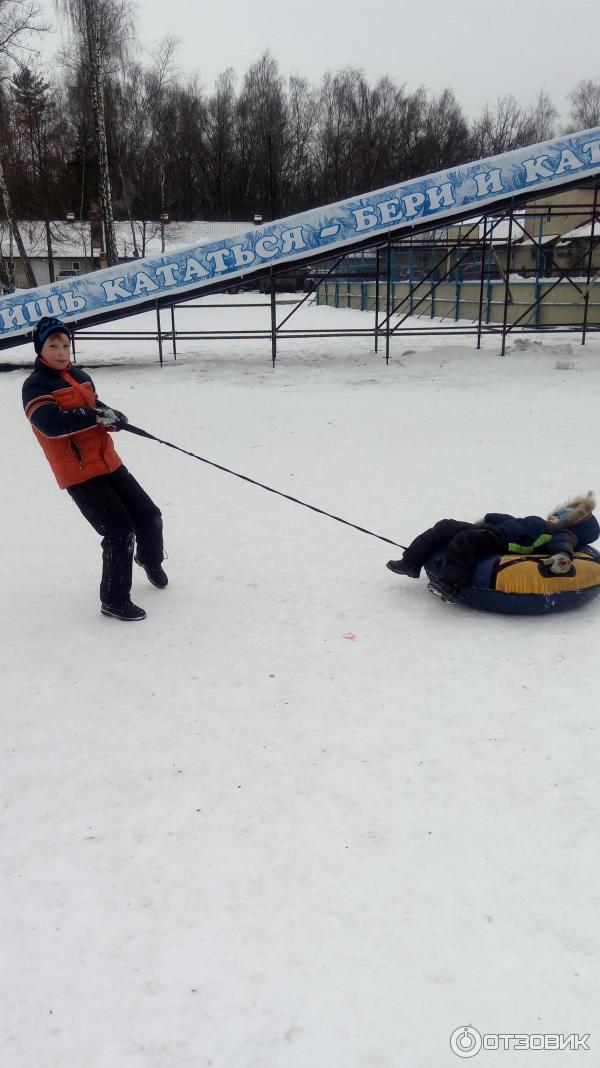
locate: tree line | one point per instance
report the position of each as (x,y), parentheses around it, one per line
(141,141)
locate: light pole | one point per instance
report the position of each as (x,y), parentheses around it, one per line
(163,219)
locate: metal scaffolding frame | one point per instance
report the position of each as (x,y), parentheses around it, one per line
(486,226)
(478,238)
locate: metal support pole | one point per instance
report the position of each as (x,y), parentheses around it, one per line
(538,270)
(273,321)
(507,281)
(388,300)
(482,280)
(589,268)
(159,335)
(307,295)
(430,277)
(376,297)
(173,334)
(561,275)
(489,295)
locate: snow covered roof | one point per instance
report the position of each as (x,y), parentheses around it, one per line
(72,239)
(476,224)
(583,231)
(545,239)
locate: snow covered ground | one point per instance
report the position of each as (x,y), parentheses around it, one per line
(304,816)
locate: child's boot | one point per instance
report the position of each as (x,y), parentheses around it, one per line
(404,567)
(443,590)
(156,575)
(128,612)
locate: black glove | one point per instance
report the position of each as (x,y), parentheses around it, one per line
(110,418)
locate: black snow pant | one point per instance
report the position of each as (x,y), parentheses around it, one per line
(464,544)
(119,509)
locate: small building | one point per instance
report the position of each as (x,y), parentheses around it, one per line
(73,252)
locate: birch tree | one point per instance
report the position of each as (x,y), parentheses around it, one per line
(100,29)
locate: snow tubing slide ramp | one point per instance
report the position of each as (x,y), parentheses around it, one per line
(524,586)
(468,191)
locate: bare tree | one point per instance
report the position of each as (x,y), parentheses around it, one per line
(543,118)
(126,100)
(445,137)
(367,136)
(261,124)
(161,130)
(219,140)
(585,105)
(297,173)
(498,130)
(18,20)
(101,29)
(338,111)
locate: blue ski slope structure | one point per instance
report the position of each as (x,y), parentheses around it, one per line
(409,207)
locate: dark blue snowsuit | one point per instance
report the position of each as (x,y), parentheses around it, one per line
(497,533)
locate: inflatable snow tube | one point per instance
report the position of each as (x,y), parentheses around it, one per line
(524,585)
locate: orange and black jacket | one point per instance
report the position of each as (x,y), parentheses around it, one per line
(61,407)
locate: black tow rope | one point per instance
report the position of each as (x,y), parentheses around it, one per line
(288,497)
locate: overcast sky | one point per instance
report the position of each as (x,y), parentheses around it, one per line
(481,50)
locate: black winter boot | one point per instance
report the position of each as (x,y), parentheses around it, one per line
(404,567)
(444,590)
(156,575)
(128,612)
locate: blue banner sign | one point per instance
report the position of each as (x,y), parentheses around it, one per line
(436,198)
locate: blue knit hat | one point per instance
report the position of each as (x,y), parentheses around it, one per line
(45,327)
